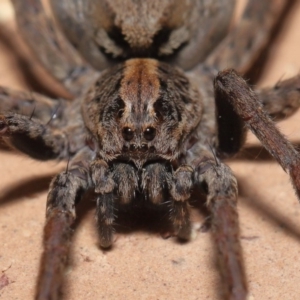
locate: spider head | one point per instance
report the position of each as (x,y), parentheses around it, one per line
(140,111)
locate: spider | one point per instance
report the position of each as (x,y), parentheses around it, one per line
(141,166)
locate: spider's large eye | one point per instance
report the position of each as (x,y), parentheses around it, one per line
(127,134)
(149,133)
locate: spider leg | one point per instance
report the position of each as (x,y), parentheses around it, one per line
(66,190)
(33,137)
(249,37)
(218,182)
(233,89)
(104,188)
(282,100)
(32,105)
(223,139)
(53,50)
(105,218)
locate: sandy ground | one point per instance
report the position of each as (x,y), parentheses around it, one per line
(142,265)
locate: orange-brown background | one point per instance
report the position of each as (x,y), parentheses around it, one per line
(142,265)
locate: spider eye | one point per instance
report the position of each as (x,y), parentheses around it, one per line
(127,134)
(149,133)
(120,113)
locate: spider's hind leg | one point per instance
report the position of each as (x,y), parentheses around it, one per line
(282,100)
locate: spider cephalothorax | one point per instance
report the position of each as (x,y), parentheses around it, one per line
(140,116)
(142,111)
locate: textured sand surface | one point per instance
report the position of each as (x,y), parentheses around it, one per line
(142,265)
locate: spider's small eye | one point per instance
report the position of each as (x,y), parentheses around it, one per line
(144,147)
(149,133)
(127,134)
(120,113)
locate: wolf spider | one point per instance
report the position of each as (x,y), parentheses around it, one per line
(139,129)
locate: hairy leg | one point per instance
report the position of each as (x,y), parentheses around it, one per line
(53,50)
(105,217)
(249,37)
(282,100)
(66,190)
(223,138)
(33,138)
(233,89)
(45,129)
(32,105)
(220,186)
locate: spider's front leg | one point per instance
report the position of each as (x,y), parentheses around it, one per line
(218,182)
(232,89)
(66,190)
